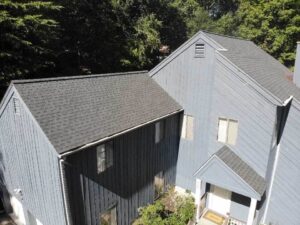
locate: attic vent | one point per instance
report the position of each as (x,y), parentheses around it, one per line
(199,50)
(16,103)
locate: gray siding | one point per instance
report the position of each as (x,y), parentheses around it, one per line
(189,80)
(29,162)
(285,198)
(129,183)
(208,88)
(233,99)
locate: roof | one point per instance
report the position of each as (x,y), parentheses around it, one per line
(268,72)
(236,174)
(241,168)
(74,111)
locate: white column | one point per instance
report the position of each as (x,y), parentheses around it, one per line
(198,198)
(252,210)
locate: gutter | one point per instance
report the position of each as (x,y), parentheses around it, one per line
(64,192)
(116,134)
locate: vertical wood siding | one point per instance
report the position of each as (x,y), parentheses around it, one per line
(207,89)
(189,81)
(29,163)
(128,184)
(233,99)
(285,198)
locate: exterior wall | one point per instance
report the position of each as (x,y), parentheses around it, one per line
(256,117)
(208,88)
(29,163)
(285,198)
(128,184)
(189,80)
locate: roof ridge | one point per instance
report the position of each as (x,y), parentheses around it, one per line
(24,81)
(228,36)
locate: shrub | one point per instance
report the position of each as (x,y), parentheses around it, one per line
(157,213)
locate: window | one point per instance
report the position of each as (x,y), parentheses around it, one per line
(104,156)
(159,183)
(159,131)
(228,130)
(109,217)
(16,106)
(187,131)
(199,50)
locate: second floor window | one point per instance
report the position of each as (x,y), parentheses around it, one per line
(159,131)
(104,156)
(187,131)
(228,131)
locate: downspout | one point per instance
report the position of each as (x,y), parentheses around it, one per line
(64,191)
(283,118)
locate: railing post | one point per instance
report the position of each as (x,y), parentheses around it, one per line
(252,210)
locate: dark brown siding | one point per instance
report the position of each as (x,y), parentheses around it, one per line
(129,183)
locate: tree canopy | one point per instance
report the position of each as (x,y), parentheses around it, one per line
(69,37)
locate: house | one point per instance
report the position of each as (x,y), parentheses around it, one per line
(86,149)
(240,143)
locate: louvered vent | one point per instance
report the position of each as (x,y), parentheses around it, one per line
(16,106)
(199,50)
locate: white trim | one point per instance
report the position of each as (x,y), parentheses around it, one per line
(183,47)
(274,169)
(117,134)
(198,196)
(249,80)
(258,197)
(66,203)
(252,210)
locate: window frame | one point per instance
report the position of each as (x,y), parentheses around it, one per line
(188,126)
(109,211)
(228,121)
(103,163)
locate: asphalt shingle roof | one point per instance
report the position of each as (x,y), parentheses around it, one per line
(242,169)
(74,111)
(259,65)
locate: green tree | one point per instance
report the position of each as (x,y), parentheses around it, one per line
(28,36)
(194,16)
(272,24)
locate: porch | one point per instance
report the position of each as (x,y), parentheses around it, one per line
(227,190)
(210,217)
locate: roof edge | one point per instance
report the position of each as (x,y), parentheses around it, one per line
(83,147)
(24,81)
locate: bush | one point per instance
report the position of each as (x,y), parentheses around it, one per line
(158,214)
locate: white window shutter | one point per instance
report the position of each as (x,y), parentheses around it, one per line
(222,132)
(232,132)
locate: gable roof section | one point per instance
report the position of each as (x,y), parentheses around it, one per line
(268,72)
(261,67)
(228,170)
(74,111)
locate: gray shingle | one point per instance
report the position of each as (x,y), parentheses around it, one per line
(242,169)
(269,73)
(74,111)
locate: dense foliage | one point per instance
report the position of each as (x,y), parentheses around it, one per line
(66,37)
(183,210)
